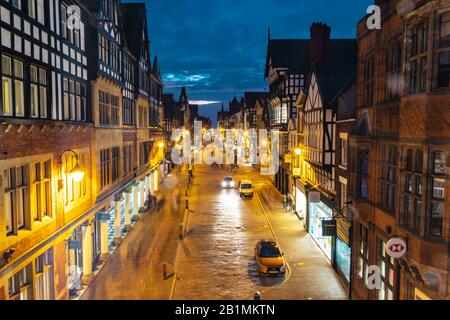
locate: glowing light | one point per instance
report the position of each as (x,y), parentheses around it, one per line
(77,173)
(298,151)
(161,145)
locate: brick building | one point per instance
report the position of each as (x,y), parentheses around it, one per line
(79,149)
(400,151)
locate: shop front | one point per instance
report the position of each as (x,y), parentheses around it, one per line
(319,211)
(300,200)
(343,249)
(75,260)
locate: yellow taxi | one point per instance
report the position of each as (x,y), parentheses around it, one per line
(246,188)
(269,258)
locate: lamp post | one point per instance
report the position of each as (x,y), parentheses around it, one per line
(77,173)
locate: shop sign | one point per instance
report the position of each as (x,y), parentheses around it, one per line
(343,230)
(314,197)
(296,172)
(103,216)
(329,228)
(396,248)
(74,244)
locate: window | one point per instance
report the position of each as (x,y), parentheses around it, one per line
(40,11)
(40,190)
(444,70)
(109,108)
(344,197)
(363,176)
(388,177)
(143,116)
(393,71)
(444,30)
(38,92)
(74,100)
(115,164)
(369,68)
(363,253)
(127,159)
(74,191)
(344,152)
(105,165)
(15,199)
(43,282)
(411,207)
(12,87)
(20,285)
(64,21)
(418,51)
(32,8)
(438,178)
(17,3)
(386,265)
(128,111)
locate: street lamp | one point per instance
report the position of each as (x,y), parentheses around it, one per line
(77,173)
(298,151)
(161,145)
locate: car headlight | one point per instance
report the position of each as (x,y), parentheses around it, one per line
(283,269)
(231,184)
(224,184)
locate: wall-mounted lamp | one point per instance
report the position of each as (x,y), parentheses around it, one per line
(77,173)
(298,151)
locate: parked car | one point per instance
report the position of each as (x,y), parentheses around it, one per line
(269,258)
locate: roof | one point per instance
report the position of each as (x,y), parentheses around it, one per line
(294,54)
(251,98)
(333,78)
(169,104)
(288,53)
(155,70)
(134,21)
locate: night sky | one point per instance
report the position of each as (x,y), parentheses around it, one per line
(217,48)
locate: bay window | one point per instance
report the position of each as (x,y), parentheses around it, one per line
(386,265)
(412,206)
(438,178)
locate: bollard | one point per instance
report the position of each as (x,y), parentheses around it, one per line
(257,296)
(181,230)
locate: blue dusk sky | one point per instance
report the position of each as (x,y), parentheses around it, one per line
(218,48)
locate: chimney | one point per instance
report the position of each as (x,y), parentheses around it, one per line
(320,39)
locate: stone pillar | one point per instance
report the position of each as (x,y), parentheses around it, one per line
(104,241)
(117,224)
(149,184)
(136,199)
(155,180)
(87,255)
(146,184)
(127,211)
(142,193)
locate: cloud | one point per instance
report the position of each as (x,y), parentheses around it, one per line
(203,102)
(217,48)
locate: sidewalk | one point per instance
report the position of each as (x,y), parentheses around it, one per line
(312,277)
(135,270)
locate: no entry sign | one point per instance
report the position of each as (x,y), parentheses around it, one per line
(396,248)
